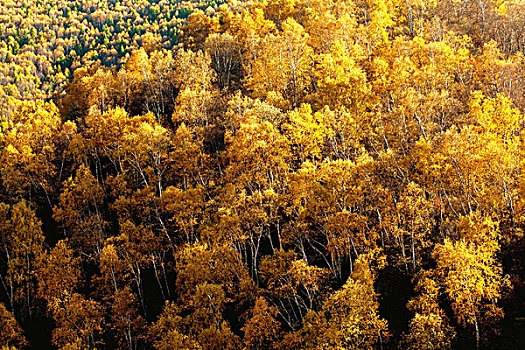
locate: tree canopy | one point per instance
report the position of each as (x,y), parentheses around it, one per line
(277,174)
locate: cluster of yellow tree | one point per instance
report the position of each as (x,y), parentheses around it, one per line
(296,174)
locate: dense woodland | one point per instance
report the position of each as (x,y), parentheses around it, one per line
(277,174)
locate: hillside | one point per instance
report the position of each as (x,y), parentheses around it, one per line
(278,174)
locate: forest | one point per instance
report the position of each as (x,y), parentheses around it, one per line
(252,175)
